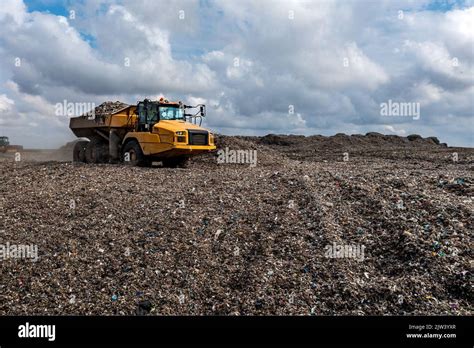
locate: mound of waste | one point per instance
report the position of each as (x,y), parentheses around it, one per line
(388,231)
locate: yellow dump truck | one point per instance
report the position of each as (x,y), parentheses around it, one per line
(6,147)
(140,134)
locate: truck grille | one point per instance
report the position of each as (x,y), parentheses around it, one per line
(198,137)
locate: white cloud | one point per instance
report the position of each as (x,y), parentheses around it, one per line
(333,61)
(6,103)
(12,9)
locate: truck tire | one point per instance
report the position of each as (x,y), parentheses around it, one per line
(132,155)
(97,151)
(78,154)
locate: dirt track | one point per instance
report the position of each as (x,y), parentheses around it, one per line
(231,239)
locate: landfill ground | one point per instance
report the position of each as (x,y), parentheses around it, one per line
(231,239)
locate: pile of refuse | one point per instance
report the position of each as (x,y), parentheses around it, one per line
(109,107)
(318,147)
(382,231)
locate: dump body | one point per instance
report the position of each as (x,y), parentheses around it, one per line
(122,121)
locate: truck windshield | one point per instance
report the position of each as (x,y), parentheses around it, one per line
(171,113)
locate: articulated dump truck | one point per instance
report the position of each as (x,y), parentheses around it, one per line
(141,134)
(6,147)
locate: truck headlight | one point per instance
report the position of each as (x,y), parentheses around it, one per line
(181,133)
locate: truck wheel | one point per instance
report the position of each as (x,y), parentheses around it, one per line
(176,162)
(132,155)
(97,151)
(78,154)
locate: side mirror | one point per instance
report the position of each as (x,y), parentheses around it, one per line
(202,110)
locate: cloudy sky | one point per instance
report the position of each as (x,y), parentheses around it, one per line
(266,66)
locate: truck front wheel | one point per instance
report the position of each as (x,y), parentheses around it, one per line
(132,154)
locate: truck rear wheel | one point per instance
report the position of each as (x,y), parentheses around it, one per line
(97,151)
(78,154)
(132,155)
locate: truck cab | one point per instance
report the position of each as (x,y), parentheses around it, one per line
(165,131)
(4,143)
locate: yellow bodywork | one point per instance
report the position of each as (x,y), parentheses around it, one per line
(161,142)
(164,140)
